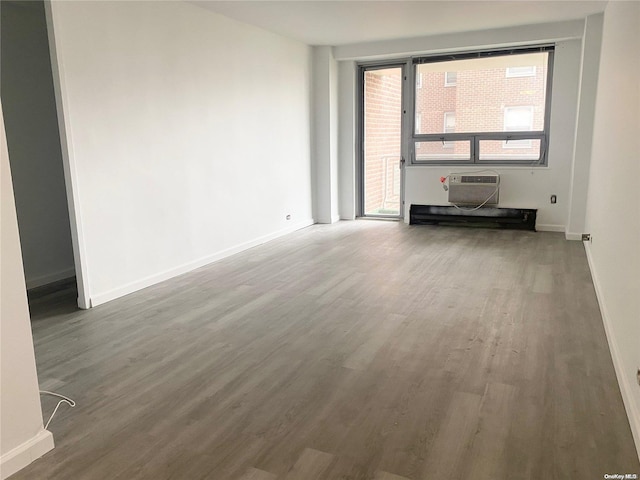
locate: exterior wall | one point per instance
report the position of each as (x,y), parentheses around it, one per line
(433,99)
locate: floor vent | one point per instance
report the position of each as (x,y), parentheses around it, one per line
(486,217)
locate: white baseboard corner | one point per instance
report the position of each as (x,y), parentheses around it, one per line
(544,227)
(335,218)
(633,413)
(100,298)
(21,456)
(573,236)
(84,304)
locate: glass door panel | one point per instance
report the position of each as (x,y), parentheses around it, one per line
(382,140)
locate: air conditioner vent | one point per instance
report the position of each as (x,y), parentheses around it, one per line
(474,189)
(478,179)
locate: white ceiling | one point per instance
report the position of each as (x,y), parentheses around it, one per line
(343,22)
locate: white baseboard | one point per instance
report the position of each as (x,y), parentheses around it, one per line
(21,456)
(543,227)
(625,387)
(100,298)
(573,236)
(335,218)
(41,280)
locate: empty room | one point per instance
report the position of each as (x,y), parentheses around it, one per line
(387,240)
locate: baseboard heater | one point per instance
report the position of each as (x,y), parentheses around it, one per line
(488,217)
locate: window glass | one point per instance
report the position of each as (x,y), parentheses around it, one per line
(510,150)
(518,119)
(482,90)
(450,79)
(449,126)
(497,112)
(438,150)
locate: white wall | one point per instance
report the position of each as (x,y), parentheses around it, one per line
(347,139)
(325,135)
(188,137)
(499,37)
(34,143)
(520,187)
(592,40)
(22,437)
(613,207)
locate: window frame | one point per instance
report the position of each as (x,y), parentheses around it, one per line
(474,138)
(447,144)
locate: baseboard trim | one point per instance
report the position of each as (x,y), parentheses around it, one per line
(625,387)
(42,280)
(104,297)
(544,227)
(21,456)
(573,236)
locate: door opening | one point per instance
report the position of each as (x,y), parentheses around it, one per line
(35,152)
(381,129)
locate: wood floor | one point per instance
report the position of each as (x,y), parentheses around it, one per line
(362,350)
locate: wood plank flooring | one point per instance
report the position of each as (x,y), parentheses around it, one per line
(361,350)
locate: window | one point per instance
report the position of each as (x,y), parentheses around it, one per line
(488,118)
(528,71)
(419,80)
(450,79)
(518,119)
(449,127)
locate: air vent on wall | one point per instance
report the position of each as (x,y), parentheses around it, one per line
(474,189)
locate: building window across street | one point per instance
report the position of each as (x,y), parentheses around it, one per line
(450,79)
(527,71)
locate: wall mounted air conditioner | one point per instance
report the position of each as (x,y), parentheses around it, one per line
(474,189)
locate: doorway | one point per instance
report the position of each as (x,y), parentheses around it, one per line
(35,152)
(381,133)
